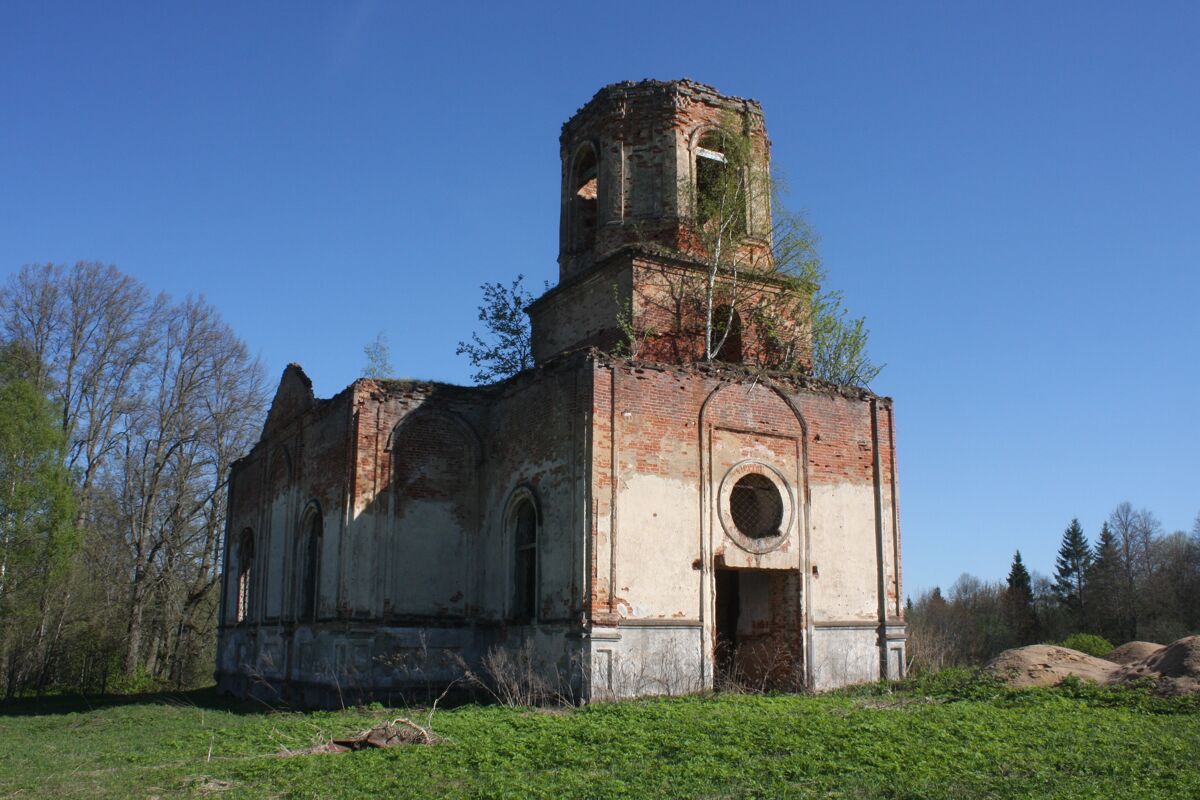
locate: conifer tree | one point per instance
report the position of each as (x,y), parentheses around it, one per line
(1105,588)
(1018,603)
(1070,573)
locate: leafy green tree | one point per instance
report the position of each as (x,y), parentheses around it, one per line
(506,346)
(1070,572)
(37,537)
(1018,603)
(727,188)
(839,344)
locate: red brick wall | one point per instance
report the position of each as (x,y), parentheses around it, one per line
(657,417)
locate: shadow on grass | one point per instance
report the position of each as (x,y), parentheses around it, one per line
(207,698)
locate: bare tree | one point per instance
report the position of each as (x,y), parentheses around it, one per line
(177,451)
(156,400)
(1134,532)
(90,329)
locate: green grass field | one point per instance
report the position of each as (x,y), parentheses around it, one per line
(947,738)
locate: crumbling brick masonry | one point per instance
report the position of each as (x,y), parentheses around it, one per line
(631,525)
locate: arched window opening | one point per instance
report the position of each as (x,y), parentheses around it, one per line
(720,201)
(584,191)
(525,578)
(727,335)
(245,558)
(310,573)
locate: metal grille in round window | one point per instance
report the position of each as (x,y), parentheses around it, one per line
(756,507)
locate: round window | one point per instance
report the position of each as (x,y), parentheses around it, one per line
(756,506)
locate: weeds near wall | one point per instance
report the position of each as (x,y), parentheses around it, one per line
(516,678)
(669,672)
(768,666)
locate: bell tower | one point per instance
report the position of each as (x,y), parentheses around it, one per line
(634,160)
(647,170)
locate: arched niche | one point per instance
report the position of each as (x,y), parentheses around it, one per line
(432,508)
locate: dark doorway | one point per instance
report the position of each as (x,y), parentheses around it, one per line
(728,611)
(758,630)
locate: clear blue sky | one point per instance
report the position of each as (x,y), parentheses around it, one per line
(1009,192)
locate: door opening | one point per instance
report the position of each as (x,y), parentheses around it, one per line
(728,609)
(758,634)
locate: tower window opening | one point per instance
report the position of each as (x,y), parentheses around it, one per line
(727,335)
(719,196)
(584,193)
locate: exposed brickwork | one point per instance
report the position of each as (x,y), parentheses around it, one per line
(629,463)
(644,135)
(641,140)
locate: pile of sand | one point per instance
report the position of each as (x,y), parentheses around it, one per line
(1046,665)
(1175,669)
(1132,651)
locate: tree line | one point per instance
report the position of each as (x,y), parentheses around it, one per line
(1134,582)
(120,414)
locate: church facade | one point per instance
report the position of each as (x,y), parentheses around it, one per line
(655,522)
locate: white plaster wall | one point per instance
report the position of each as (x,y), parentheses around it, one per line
(658,539)
(427,572)
(844,656)
(642,661)
(361,564)
(397,663)
(895,602)
(327,568)
(559,542)
(843,551)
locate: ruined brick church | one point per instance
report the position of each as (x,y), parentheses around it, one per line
(629,525)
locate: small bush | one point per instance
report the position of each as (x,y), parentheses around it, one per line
(141,682)
(1088,643)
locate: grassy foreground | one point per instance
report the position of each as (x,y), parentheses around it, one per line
(947,738)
